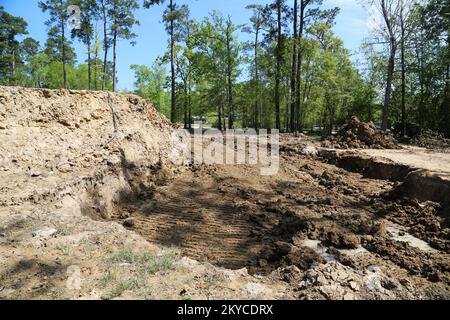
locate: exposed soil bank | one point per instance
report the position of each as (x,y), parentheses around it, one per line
(419,184)
(423,185)
(369,167)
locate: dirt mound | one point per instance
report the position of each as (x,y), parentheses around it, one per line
(56,140)
(360,135)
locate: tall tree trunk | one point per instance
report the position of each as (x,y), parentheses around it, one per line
(224,120)
(63,45)
(172,65)
(288,106)
(278,68)
(303,5)
(96,68)
(304,95)
(190,113)
(257,94)
(389,19)
(188,82)
(403,102)
(105,46)
(419,63)
(230,101)
(89,63)
(185,115)
(294,68)
(219,116)
(387,95)
(327,116)
(446,102)
(230,81)
(12,79)
(114,61)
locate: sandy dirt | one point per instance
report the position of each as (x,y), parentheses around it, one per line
(420,158)
(360,135)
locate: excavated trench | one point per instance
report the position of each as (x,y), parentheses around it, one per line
(353,209)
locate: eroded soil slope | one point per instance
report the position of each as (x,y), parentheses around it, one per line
(63,171)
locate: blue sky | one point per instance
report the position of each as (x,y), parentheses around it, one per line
(351,26)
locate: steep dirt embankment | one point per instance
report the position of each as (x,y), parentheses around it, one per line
(56,140)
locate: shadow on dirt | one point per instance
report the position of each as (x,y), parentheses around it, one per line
(27,274)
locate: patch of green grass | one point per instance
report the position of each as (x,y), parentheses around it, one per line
(154,263)
(146,262)
(108,278)
(64,232)
(124,255)
(134,277)
(88,245)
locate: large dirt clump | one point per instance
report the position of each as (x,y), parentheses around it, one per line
(360,135)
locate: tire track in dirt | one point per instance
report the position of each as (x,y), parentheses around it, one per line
(200,220)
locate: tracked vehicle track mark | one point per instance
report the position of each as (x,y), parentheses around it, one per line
(230,217)
(205,228)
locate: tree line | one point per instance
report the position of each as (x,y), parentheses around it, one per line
(408,58)
(293,74)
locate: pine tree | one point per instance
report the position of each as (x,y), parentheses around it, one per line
(10,28)
(58,18)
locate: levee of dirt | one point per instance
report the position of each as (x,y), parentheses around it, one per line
(62,160)
(359,135)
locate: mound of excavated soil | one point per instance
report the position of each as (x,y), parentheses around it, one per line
(360,135)
(53,140)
